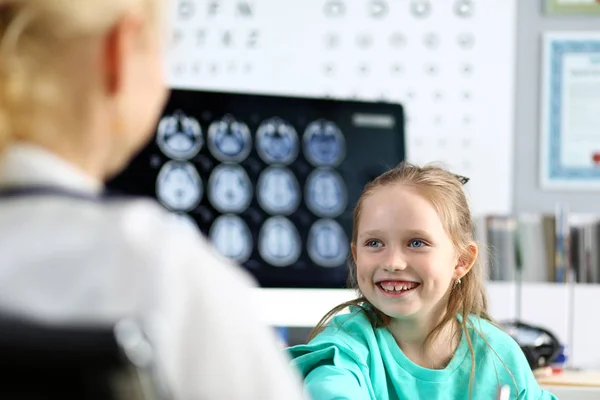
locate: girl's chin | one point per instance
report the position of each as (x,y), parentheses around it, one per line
(405,312)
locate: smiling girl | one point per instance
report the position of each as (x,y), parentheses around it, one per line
(419,328)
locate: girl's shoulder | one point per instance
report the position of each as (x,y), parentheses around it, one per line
(487,334)
(349,336)
(506,361)
(348,328)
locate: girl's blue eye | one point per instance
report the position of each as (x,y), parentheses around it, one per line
(417,243)
(373,243)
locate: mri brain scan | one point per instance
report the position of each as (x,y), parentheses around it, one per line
(327,243)
(325,193)
(178,186)
(231,236)
(229,188)
(324,144)
(229,140)
(278,191)
(179,136)
(279,242)
(277,142)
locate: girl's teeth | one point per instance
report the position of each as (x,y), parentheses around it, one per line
(397,288)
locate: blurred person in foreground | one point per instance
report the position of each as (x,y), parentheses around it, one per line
(81,89)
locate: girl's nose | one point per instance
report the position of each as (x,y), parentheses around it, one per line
(396,261)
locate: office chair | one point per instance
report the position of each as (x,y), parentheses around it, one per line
(539,345)
(42,361)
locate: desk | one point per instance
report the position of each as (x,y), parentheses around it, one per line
(573,385)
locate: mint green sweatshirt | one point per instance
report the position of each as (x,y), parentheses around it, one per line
(350,360)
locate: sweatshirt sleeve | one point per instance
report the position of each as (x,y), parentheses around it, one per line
(328,382)
(530,387)
(330,372)
(533,391)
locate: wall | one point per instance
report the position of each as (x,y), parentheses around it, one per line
(531,24)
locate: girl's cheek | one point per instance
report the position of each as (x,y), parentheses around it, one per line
(361,274)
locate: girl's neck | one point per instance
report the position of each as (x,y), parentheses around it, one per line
(412,336)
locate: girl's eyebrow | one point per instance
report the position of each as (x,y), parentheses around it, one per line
(417,232)
(374,232)
(407,232)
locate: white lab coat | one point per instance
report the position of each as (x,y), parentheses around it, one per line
(65,260)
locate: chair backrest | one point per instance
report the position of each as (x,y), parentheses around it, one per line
(42,361)
(540,346)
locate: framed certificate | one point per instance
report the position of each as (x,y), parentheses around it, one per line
(570,111)
(572,7)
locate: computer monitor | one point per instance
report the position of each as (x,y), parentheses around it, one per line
(270,180)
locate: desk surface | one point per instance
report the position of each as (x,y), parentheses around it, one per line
(573,378)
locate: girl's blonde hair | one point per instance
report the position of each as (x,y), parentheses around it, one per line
(42,44)
(444,191)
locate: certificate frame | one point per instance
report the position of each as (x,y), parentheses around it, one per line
(579,8)
(556,173)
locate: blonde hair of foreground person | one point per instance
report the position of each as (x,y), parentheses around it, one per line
(82,79)
(68,87)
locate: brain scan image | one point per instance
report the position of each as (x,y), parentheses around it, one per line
(277,142)
(327,244)
(229,140)
(325,193)
(229,188)
(278,191)
(279,242)
(324,144)
(179,136)
(179,186)
(231,237)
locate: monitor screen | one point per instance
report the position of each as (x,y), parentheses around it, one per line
(271,181)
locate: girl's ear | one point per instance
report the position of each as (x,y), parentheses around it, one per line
(466,260)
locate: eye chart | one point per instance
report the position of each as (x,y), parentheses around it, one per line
(449,62)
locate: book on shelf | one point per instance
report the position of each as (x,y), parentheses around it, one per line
(556,247)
